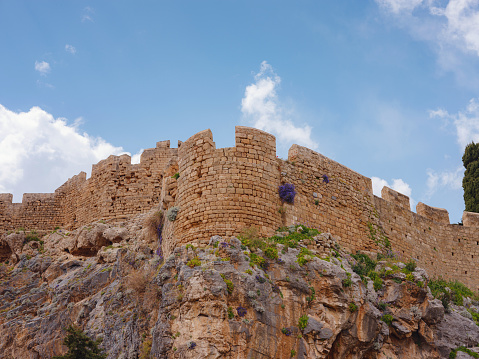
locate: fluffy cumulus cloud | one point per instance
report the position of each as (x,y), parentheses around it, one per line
(398,185)
(466,122)
(38,153)
(42,67)
(442,180)
(262,109)
(71,49)
(457,21)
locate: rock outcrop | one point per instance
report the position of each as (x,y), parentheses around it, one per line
(216,301)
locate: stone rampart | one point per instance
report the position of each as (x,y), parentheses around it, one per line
(223,191)
(116,189)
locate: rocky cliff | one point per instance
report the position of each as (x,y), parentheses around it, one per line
(299,295)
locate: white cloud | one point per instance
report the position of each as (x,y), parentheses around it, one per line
(466,122)
(398,185)
(462,23)
(260,105)
(136,157)
(71,49)
(42,67)
(446,179)
(450,25)
(87,14)
(38,153)
(397,6)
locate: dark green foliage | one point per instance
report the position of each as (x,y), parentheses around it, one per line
(456,292)
(411,265)
(353,307)
(475,316)
(470,182)
(347,282)
(387,318)
(80,346)
(231,314)
(453,352)
(363,265)
(271,252)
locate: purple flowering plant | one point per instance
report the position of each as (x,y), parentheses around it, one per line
(287,192)
(241,311)
(325,179)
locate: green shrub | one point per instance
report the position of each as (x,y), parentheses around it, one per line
(364,265)
(475,316)
(387,318)
(176,175)
(411,265)
(457,291)
(347,282)
(229,285)
(231,314)
(195,262)
(249,271)
(353,307)
(303,322)
(293,353)
(302,260)
(80,346)
(256,259)
(271,252)
(382,305)
(453,352)
(377,283)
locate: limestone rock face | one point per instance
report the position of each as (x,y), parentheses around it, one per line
(212,302)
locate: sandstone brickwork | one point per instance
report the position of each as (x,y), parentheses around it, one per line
(223,191)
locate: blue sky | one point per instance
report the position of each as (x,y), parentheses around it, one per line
(388,88)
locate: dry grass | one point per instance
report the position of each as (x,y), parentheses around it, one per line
(139,280)
(151,223)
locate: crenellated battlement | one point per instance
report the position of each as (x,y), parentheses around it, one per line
(221,191)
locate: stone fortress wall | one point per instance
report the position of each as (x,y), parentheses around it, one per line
(222,191)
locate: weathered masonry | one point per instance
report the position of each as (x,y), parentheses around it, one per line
(220,191)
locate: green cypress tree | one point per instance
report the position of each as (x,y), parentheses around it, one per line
(470,182)
(80,346)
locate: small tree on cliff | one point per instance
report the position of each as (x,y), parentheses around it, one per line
(470,182)
(80,346)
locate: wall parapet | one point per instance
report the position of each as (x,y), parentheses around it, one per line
(391,195)
(435,214)
(470,219)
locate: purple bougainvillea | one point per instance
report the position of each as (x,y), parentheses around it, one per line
(287,192)
(325,179)
(224,245)
(191,345)
(241,311)
(286,331)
